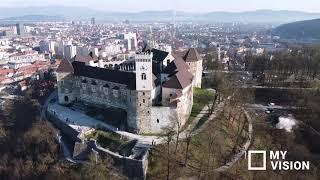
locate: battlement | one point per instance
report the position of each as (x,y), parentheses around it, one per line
(143,57)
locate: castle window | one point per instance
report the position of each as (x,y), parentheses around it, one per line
(106,90)
(116,91)
(168,62)
(93,89)
(144,94)
(144,101)
(84,81)
(158,121)
(143,76)
(66,99)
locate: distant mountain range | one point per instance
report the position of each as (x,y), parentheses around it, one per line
(32,18)
(301,30)
(83,13)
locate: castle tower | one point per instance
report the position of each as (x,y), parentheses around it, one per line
(144,72)
(194,61)
(144,79)
(65,82)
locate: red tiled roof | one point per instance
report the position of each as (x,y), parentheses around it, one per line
(180,80)
(5,72)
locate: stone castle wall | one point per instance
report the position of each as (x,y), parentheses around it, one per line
(66,89)
(142,117)
(103,93)
(185,104)
(196,70)
(162,118)
(143,110)
(133,168)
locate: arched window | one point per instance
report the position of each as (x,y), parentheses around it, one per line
(143,76)
(106,88)
(93,83)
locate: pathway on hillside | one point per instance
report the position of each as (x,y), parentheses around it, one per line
(218,109)
(281,88)
(44,108)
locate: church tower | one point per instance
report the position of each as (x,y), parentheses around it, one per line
(144,79)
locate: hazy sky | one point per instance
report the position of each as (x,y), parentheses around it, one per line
(180,5)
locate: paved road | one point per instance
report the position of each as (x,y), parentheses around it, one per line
(53,95)
(264,107)
(283,88)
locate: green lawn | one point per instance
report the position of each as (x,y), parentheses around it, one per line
(108,140)
(201,97)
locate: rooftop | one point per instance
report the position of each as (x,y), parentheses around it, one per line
(191,55)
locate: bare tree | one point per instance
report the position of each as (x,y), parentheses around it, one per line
(188,140)
(169,134)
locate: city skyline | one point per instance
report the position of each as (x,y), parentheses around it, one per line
(179,5)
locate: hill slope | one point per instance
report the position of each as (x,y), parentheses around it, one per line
(301,30)
(32,18)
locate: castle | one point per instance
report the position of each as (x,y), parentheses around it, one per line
(155,89)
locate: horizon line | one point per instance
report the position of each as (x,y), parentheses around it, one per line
(163,10)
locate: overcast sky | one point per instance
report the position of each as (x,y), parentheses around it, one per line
(180,5)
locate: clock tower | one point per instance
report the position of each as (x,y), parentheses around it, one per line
(144,72)
(144,88)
